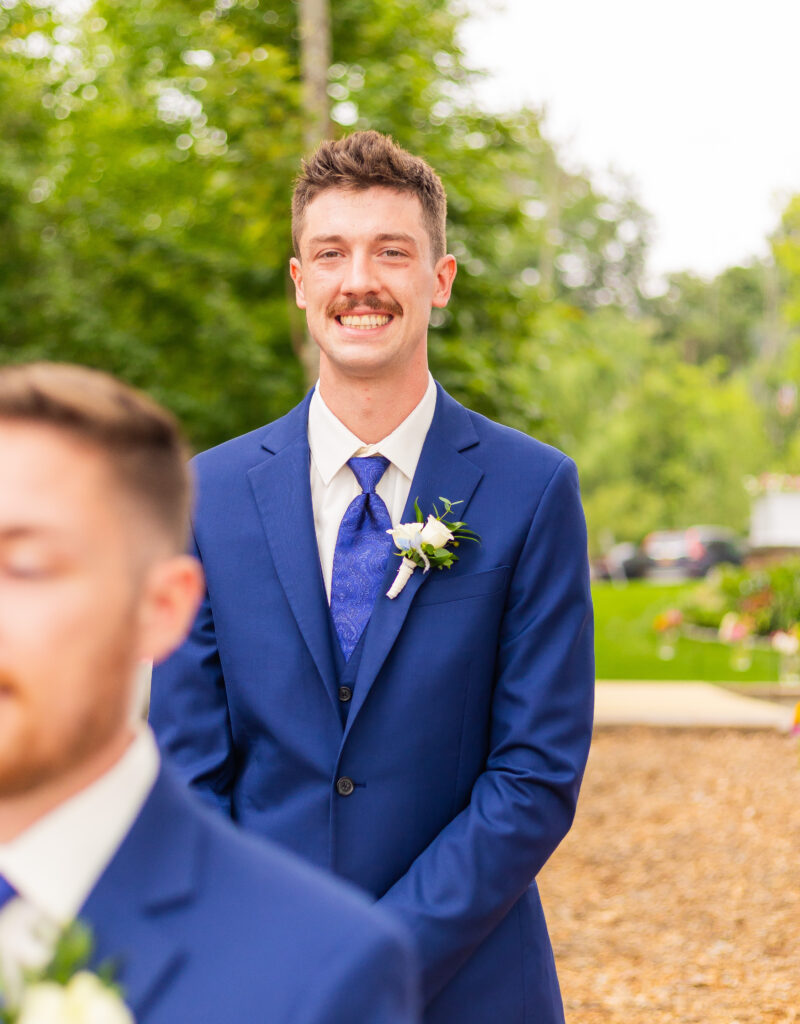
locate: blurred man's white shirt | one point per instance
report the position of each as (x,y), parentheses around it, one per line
(55,864)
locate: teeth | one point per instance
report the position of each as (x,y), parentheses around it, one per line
(370,320)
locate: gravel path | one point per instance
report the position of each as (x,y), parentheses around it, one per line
(676,896)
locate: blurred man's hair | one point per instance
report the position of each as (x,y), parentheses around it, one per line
(142,442)
(365,160)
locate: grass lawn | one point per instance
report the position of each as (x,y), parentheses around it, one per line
(627,646)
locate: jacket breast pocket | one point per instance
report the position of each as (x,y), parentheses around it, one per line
(458,588)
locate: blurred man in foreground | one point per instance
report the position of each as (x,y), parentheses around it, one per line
(201,923)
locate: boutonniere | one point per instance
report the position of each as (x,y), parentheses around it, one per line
(427,543)
(65,992)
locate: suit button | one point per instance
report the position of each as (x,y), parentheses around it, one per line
(345,693)
(344,786)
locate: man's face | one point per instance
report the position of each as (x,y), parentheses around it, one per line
(367,281)
(74,612)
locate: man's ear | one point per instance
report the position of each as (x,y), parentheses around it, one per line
(172,592)
(296,270)
(445,271)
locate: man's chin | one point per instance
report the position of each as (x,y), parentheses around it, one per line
(21,775)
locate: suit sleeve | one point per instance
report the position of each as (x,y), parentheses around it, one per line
(188,687)
(372,979)
(523,803)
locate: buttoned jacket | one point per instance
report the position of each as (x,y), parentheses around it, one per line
(202,923)
(457,770)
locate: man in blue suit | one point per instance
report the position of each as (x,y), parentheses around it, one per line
(201,922)
(428,747)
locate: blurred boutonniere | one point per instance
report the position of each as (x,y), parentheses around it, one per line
(65,992)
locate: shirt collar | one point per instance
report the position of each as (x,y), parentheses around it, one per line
(55,863)
(332,444)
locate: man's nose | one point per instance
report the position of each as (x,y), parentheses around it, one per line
(360,276)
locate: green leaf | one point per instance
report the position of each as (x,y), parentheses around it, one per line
(72,952)
(418,511)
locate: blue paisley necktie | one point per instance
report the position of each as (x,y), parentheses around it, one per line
(362,549)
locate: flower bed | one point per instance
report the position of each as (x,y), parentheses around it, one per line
(744,608)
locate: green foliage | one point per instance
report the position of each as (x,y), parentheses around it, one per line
(659,443)
(146,158)
(769,596)
(71,954)
(718,319)
(142,224)
(147,153)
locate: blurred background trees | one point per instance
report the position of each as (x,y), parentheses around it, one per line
(147,153)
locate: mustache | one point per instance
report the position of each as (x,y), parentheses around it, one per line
(367,301)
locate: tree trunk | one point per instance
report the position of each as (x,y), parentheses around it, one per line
(315,59)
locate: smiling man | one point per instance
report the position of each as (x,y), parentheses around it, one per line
(428,747)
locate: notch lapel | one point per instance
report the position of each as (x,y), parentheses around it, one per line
(282,490)
(155,869)
(442,471)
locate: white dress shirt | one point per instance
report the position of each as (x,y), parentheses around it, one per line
(333,484)
(55,863)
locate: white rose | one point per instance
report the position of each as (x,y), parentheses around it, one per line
(435,532)
(405,534)
(90,1001)
(45,1003)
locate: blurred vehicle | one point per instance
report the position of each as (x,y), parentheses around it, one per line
(691,553)
(624,561)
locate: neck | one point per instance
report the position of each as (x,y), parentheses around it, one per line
(371,408)
(19,811)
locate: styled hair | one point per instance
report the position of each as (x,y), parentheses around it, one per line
(142,442)
(365,160)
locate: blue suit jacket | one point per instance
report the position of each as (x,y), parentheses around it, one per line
(210,926)
(471,715)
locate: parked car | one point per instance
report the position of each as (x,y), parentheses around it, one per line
(624,561)
(677,554)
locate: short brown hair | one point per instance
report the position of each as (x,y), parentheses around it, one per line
(365,160)
(142,441)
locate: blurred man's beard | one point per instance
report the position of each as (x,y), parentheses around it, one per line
(30,761)
(33,756)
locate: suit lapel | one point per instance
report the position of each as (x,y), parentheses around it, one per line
(155,869)
(442,471)
(282,490)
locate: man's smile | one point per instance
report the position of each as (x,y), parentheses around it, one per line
(365,313)
(364,321)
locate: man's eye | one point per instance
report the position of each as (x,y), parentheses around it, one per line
(25,570)
(395,253)
(328,254)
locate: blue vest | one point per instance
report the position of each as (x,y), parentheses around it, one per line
(346,671)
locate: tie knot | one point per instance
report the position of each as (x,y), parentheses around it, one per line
(368,469)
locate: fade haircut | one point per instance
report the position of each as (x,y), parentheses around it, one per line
(367,160)
(141,441)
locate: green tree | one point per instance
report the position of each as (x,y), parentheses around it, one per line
(148,153)
(672,452)
(723,317)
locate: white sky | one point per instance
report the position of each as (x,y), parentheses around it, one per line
(695,100)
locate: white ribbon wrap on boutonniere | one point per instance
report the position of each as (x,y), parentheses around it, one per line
(426,544)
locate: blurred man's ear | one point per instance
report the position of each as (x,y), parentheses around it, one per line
(172,592)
